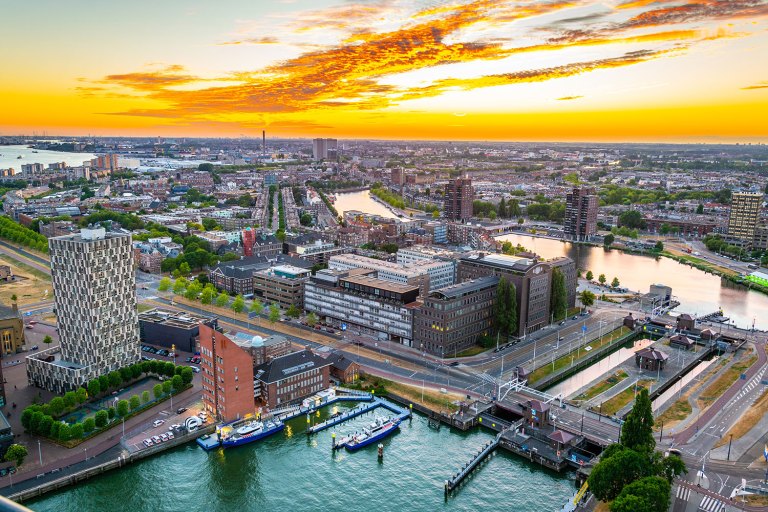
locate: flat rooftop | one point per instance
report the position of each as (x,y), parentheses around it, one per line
(180,319)
(380,284)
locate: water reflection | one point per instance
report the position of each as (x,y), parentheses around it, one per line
(699,293)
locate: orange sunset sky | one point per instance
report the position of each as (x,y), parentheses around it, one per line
(622,70)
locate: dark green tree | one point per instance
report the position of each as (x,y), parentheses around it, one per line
(70,399)
(89,425)
(512,320)
(187,375)
(558,299)
(122,408)
(650,494)
(608,240)
(501,319)
(618,467)
(16,453)
(102,417)
(632,219)
(177,382)
(65,432)
(94,387)
(157,390)
(637,430)
(167,386)
(76,431)
(135,402)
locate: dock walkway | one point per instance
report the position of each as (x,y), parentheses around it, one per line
(484,452)
(359,410)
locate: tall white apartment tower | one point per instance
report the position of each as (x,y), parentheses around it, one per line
(94,286)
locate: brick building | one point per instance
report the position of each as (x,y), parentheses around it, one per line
(291,378)
(227,375)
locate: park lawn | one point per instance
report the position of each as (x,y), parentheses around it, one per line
(723,382)
(603,386)
(700,263)
(29,287)
(577,353)
(143,307)
(748,420)
(433,400)
(618,402)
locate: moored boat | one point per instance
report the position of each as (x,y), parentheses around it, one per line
(379,429)
(252,431)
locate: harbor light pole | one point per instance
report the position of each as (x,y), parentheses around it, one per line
(40,452)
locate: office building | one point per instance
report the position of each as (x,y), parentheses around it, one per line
(94,286)
(291,378)
(324,149)
(227,376)
(452,318)
(458,200)
(532,280)
(426,274)
(281,284)
(742,220)
(581,205)
(167,329)
(11,330)
(351,300)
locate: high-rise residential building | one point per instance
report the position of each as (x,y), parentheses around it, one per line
(227,375)
(108,162)
(94,287)
(458,200)
(581,205)
(745,212)
(324,149)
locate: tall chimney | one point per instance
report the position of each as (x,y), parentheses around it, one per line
(264,142)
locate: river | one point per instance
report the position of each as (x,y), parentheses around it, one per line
(699,293)
(9,157)
(361,201)
(293,472)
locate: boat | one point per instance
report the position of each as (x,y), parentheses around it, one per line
(19,157)
(379,429)
(252,431)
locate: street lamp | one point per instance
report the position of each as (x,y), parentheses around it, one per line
(40,452)
(86,454)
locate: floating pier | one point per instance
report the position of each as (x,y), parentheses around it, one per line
(456,479)
(359,410)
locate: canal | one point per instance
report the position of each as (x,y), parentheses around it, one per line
(361,201)
(698,292)
(291,471)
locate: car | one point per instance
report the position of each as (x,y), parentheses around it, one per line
(148,442)
(144,288)
(157,423)
(170,435)
(189,360)
(156,439)
(195,369)
(32,322)
(574,317)
(562,323)
(28,326)
(173,427)
(454,363)
(181,410)
(35,347)
(164,436)
(560,338)
(673,451)
(144,358)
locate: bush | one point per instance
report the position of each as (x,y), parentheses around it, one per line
(145,397)
(76,432)
(167,386)
(135,402)
(122,408)
(111,412)
(65,432)
(157,390)
(89,425)
(187,375)
(102,417)
(54,433)
(177,382)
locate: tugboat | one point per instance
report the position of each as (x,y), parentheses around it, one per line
(379,429)
(252,431)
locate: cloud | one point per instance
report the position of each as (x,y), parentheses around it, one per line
(759,85)
(569,98)
(375,44)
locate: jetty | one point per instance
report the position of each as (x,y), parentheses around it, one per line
(474,462)
(360,410)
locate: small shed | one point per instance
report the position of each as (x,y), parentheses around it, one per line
(685,322)
(538,413)
(629,321)
(651,358)
(681,341)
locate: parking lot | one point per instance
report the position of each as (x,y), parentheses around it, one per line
(149,352)
(165,426)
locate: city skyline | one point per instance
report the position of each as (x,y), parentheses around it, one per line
(632,70)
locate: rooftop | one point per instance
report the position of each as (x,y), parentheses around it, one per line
(182,319)
(380,284)
(289,365)
(501,260)
(457,290)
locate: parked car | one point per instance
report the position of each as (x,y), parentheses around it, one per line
(156,440)
(28,326)
(148,442)
(170,435)
(157,423)
(195,369)
(575,317)
(181,410)
(164,436)
(173,427)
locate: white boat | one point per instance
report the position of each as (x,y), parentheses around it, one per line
(249,427)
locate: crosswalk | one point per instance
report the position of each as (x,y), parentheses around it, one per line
(710,504)
(683,493)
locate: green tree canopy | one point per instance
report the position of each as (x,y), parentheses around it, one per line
(222,300)
(274,313)
(587,298)
(648,494)
(618,467)
(164,285)
(558,298)
(238,305)
(590,276)
(637,430)
(16,453)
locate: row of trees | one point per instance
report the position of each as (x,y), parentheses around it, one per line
(15,232)
(632,475)
(589,276)
(558,298)
(208,294)
(42,419)
(271,205)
